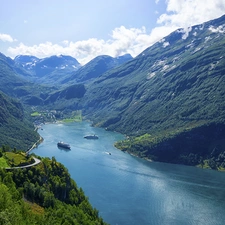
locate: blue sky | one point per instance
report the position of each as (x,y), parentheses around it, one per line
(85,29)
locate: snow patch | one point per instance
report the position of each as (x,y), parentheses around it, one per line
(165,44)
(196,50)
(185,32)
(219,29)
(150,75)
(207,39)
(166,67)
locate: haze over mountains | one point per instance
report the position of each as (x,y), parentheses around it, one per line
(172,91)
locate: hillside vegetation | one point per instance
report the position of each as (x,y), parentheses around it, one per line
(15,129)
(44,194)
(169,99)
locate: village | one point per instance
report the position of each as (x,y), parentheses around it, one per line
(53,116)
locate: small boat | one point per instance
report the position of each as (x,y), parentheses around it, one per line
(91,136)
(63,145)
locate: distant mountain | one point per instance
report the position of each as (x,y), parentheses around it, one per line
(169,99)
(17,86)
(96,67)
(26,61)
(46,70)
(58,70)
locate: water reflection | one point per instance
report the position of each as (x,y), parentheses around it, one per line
(128,190)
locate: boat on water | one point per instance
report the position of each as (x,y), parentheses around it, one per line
(63,145)
(91,136)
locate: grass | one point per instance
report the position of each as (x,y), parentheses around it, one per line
(35,114)
(16,158)
(74,119)
(3,163)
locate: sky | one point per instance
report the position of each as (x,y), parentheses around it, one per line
(85,29)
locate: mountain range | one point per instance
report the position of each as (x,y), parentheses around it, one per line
(62,69)
(169,99)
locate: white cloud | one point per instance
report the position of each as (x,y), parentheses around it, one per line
(185,13)
(122,40)
(6,38)
(179,14)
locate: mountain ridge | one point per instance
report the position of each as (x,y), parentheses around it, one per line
(173,88)
(60,69)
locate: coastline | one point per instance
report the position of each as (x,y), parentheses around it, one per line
(204,167)
(34,145)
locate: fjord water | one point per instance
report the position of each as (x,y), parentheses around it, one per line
(127,190)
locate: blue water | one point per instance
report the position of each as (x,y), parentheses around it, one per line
(127,190)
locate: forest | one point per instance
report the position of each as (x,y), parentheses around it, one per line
(44,194)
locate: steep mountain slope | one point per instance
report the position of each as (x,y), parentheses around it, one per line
(169,99)
(96,67)
(15,130)
(9,79)
(175,86)
(15,86)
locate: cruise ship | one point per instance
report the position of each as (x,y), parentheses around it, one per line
(91,136)
(63,145)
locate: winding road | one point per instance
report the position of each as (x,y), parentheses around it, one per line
(37,161)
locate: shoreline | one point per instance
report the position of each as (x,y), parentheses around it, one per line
(34,145)
(197,166)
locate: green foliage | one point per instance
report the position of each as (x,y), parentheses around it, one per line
(3,163)
(35,114)
(174,91)
(17,159)
(15,129)
(203,146)
(51,197)
(168,92)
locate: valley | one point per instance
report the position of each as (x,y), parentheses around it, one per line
(169,100)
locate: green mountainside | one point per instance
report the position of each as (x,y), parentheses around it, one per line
(169,99)
(172,91)
(15,129)
(13,85)
(44,194)
(167,85)
(95,68)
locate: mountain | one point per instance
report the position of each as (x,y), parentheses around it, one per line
(46,70)
(17,86)
(15,130)
(169,99)
(42,194)
(173,89)
(11,82)
(96,67)
(62,69)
